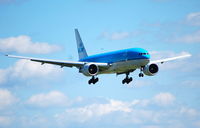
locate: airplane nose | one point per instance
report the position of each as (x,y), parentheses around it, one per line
(146,56)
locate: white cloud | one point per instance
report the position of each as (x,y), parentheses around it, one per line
(192,37)
(176,32)
(83,114)
(197,124)
(112,113)
(53,98)
(2,76)
(136,112)
(189,38)
(191,83)
(101,109)
(156,55)
(5,121)
(176,64)
(193,18)
(35,120)
(116,35)
(139,83)
(133,109)
(6,98)
(24,44)
(119,35)
(164,99)
(24,69)
(189,111)
(186,65)
(151,126)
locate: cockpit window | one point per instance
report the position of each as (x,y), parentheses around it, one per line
(143,53)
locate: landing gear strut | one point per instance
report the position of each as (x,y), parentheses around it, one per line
(127,79)
(141,70)
(93,80)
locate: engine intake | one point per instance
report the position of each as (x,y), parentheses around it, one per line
(151,70)
(90,69)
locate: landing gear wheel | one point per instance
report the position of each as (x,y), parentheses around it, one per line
(93,80)
(90,81)
(141,72)
(141,75)
(127,80)
(123,81)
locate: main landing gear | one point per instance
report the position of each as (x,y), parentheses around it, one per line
(127,79)
(93,80)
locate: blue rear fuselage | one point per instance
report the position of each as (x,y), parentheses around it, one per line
(118,56)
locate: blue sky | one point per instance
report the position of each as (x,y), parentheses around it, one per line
(45,96)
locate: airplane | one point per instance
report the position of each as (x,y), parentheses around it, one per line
(116,62)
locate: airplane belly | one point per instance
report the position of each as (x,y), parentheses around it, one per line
(125,66)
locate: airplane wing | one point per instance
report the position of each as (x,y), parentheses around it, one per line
(170,59)
(60,62)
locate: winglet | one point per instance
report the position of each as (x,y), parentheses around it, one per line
(80,46)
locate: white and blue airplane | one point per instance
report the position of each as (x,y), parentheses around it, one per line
(119,62)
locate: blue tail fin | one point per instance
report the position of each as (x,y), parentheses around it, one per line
(80,46)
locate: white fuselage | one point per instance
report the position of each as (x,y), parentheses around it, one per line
(125,66)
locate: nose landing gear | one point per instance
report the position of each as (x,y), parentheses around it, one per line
(141,75)
(141,72)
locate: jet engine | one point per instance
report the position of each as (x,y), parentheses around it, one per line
(151,70)
(90,69)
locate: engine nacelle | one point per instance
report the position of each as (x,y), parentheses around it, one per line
(151,70)
(90,69)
